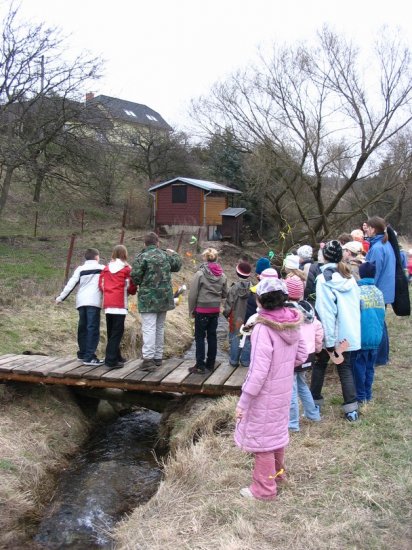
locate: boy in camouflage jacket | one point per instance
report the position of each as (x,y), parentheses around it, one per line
(151,272)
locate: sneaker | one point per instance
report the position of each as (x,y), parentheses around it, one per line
(121,361)
(117,365)
(246,493)
(211,368)
(352,416)
(197,370)
(147,365)
(234,365)
(157,362)
(94,362)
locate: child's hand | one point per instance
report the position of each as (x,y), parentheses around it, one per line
(239,413)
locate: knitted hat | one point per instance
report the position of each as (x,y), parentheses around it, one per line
(270,272)
(295,287)
(357,235)
(270,284)
(262,264)
(354,246)
(291,262)
(332,251)
(244,269)
(367,270)
(305,252)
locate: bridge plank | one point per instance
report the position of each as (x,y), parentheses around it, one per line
(219,376)
(97,372)
(197,380)
(235,381)
(119,374)
(33,361)
(61,372)
(178,375)
(22,360)
(136,376)
(163,371)
(7,357)
(10,362)
(43,370)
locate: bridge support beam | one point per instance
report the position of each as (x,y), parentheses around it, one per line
(155,401)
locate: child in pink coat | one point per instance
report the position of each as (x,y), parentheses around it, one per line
(263,410)
(312,332)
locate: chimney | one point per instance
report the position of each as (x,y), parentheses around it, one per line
(89,96)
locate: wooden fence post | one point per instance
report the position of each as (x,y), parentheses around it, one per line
(82,219)
(121,237)
(69,257)
(36,217)
(180,241)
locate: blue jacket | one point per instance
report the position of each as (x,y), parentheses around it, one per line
(338,307)
(372,314)
(383,256)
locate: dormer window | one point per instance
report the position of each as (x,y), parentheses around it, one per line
(130,113)
(151,117)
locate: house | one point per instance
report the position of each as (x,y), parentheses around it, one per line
(187,204)
(126,117)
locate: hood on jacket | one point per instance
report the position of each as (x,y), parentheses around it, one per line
(212,271)
(285,321)
(334,279)
(305,308)
(116,265)
(242,289)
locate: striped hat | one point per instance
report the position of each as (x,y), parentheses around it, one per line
(244,269)
(295,287)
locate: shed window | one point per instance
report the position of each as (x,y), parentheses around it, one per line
(179,193)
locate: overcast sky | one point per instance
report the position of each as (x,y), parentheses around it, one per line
(162,53)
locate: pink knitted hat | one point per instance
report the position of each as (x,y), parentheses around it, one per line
(295,287)
(270,272)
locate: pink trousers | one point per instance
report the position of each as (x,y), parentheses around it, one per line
(266,473)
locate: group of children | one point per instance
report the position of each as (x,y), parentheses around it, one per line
(344,324)
(101,286)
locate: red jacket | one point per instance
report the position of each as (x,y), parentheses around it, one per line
(116,284)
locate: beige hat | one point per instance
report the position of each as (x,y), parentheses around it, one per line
(353,246)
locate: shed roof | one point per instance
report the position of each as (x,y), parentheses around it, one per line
(202,184)
(233,212)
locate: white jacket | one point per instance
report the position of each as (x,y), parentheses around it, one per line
(87,277)
(338,307)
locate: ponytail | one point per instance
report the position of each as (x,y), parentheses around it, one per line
(344,270)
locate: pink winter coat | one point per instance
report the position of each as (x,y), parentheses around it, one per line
(277,347)
(312,333)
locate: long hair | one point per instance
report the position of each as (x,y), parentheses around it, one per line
(295,272)
(344,270)
(379,225)
(119,252)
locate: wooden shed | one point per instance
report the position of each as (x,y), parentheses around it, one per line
(186,203)
(232,223)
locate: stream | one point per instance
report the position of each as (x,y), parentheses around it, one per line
(115,472)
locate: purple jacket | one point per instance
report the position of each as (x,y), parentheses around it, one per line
(277,347)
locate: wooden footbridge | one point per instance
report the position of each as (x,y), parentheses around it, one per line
(171,377)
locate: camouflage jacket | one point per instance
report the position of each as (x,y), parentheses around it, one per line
(151,272)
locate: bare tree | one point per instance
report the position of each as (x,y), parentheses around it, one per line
(322,124)
(37,93)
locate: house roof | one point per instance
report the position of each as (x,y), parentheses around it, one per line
(202,184)
(131,112)
(233,212)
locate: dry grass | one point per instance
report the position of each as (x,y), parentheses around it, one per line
(40,427)
(350,485)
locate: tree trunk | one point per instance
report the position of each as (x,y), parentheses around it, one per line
(38,186)
(6,188)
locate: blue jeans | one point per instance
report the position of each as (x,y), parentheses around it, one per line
(88,332)
(382,356)
(310,410)
(363,369)
(236,353)
(205,327)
